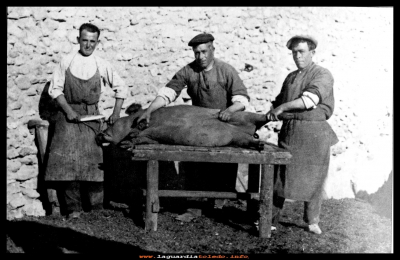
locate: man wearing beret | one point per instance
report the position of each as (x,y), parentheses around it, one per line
(210,83)
(307,97)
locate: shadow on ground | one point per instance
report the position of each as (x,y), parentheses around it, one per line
(34,237)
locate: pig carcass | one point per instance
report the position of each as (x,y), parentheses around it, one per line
(186,125)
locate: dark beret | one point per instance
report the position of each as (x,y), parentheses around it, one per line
(306,37)
(201,38)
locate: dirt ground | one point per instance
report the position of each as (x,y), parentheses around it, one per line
(362,225)
(349,226)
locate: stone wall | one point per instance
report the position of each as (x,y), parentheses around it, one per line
(147,45)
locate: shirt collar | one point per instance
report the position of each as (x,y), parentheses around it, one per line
(306,68)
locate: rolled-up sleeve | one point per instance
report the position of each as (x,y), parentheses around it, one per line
(111,79)
(310,100)
(179,81)
(241,99)
(321,84)
(168,94)
(56,87)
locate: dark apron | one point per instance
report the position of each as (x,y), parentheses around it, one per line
(206,176)
(308,139)
(209,93)
(309,143)
(73,152)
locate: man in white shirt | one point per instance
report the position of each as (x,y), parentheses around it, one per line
(75,160)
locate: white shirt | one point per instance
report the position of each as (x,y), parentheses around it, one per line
(84,68)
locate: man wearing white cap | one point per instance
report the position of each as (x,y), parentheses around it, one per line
(307,95)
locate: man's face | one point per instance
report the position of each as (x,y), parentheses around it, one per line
(204,54)
(302,56)
(88,42)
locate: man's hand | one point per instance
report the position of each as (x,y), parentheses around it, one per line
(273,114)
(225,115)
(113,118)
(72,116)
(146,117)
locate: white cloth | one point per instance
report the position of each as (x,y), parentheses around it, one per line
(84,68)
(310,100)
(169,95)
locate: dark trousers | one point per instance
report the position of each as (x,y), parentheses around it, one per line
(312,209)
(82,195)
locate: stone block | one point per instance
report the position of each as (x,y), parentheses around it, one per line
(29,160)
(13,95)
(39,13)
(23,82)
(66,47)
(33,194)
(12,153)
(30,184)
(16,200)
(16,115)
(27,23)
(33,208)
(32,90)
(55,48)
(12,39)
(59,35)
(46,41)
(137,89)
(11,177)
(12,188)
(57,16)
(14,213)
(24,69)
(19,12)
(72,35)
(13,165)
(10,61)
(48,27)
(27,172)
(252,23)
(14,29)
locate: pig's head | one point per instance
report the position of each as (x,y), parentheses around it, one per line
(122,127)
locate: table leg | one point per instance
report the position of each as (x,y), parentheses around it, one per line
(266,194)
(152,200)
(253,186)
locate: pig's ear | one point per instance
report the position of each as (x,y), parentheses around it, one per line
(133,108)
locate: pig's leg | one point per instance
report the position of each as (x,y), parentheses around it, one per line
(248,118)
(130,144)
(145,140)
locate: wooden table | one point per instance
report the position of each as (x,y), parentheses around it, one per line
(268,157)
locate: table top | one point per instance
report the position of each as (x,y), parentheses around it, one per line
(271,154)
